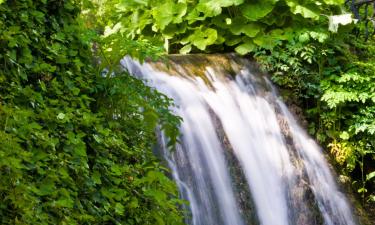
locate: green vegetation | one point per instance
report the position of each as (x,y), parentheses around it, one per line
(76,141)
(75,144)
(333,82)
(215,25)
(330,75)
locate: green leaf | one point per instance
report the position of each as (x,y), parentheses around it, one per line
(257,9)
(246,47)
(169,12)
(307,11)
(344,135)
(233,41)
(214,7)
(150,118)
(370,176)
(251,29)
(371,198)
(119,208)
(266,41)
(64,202)
(186,49)
(60,116)
(158,195)
(203,37)
(46,188)
(237,25)
(134,203)
(179,11)
(320,36)
(116,170)
(80,150)
(163,14)
(96,177)
(334,2)
(305,37)
(124,5)
(362,190)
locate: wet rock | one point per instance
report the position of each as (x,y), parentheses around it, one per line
(239,183)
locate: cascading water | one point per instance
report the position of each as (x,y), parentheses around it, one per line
(236,131)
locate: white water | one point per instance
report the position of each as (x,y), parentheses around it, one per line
(331,201)
(279,176)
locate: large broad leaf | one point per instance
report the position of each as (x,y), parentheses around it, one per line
(163,15)
(232,41)
(220,39)
(246,47)
(282,34)
(241,25)
(186,49)
(124,6)
(334,2)
(179,10)
(169,12)
(255,10)
(222,21)
(214,7)
(172,29)
(202,37)
(236,2)
(267,41)
(307,11)
(251,29)
(237,24)
(370,176)
(194,15)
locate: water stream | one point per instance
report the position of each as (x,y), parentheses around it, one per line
(243,158)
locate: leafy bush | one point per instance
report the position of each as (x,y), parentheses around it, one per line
(213,25)
(349,116)
(75,146)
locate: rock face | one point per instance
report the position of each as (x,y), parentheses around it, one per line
(364,213)
(239,183)
(243,158)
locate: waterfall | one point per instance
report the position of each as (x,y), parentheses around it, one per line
(242,158)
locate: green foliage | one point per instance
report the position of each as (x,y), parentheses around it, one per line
(76,146)
(290,39)
(332,78)
(350,93)
(208,25)
(297,64)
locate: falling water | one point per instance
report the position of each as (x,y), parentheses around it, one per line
(236,131)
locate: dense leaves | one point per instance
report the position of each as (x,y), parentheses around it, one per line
(77,132)
(349,93)
(332,78)
(214,25)
(75,145)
